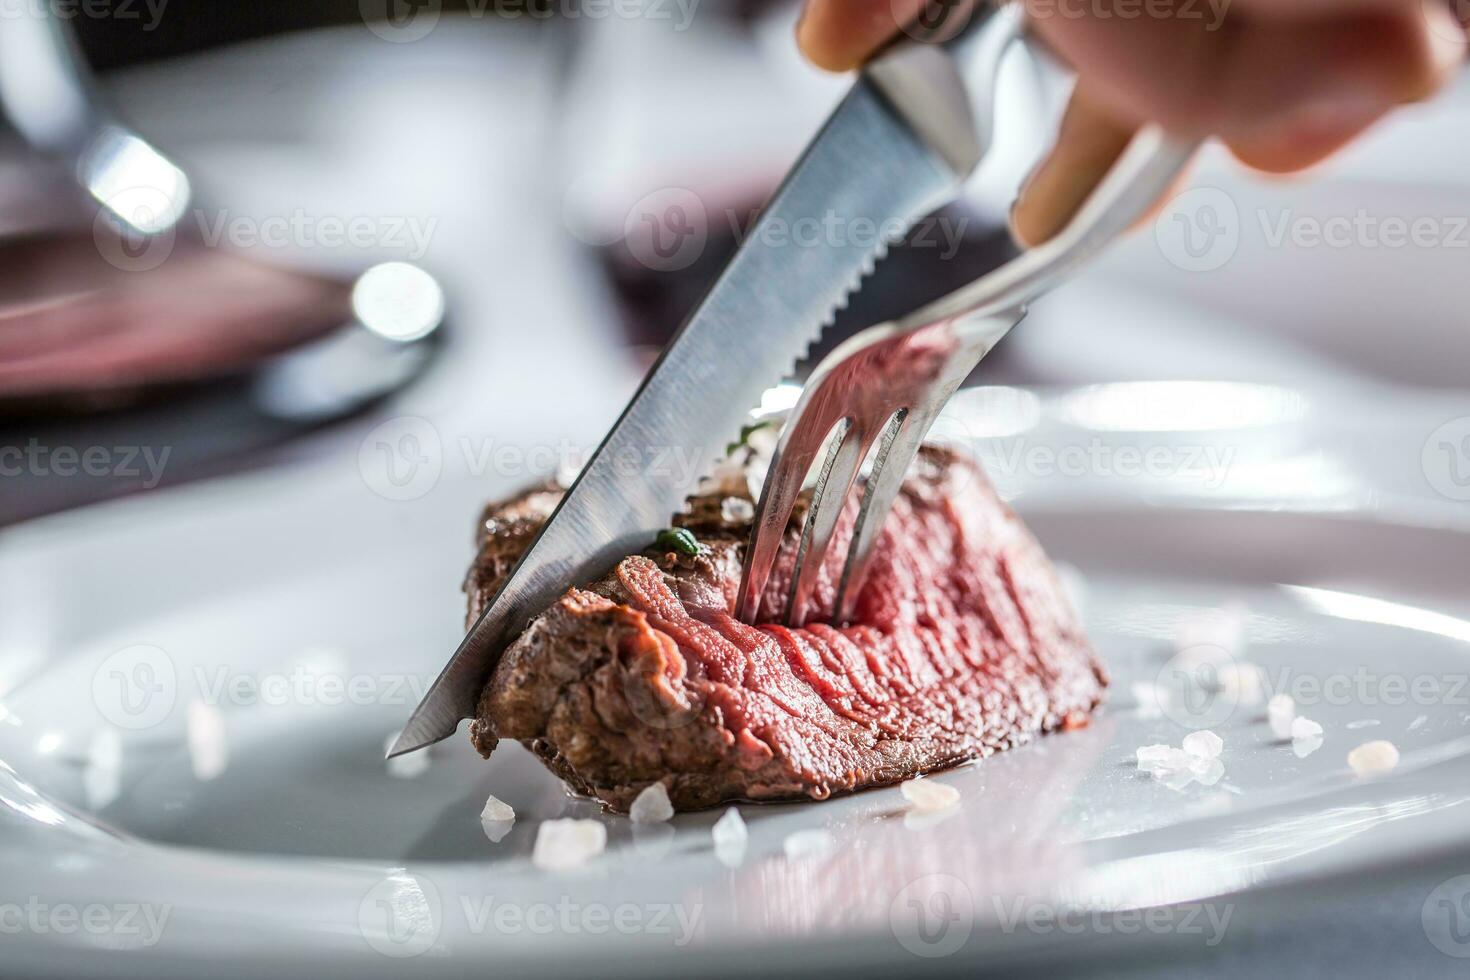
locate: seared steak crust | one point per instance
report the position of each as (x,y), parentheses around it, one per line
(963,645)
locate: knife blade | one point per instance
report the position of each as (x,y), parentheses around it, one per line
(870,163)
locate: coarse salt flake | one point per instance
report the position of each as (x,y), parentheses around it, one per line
(1303,747)
(1207,772)
(652,805)
(1204,744)
(730,837)
(1161,759)
(927,796)
(1373,757)
(730,829)
(1280,710)
(497,811)
(562,844)
(1305,728)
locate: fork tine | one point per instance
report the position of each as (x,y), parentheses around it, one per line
(789,466)
(829,499)
(902,437)
(902,441)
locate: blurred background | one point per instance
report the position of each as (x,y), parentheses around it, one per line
(477,212)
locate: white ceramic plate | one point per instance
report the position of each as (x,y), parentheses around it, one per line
(197,686)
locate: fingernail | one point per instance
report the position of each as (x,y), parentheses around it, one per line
(1017,221)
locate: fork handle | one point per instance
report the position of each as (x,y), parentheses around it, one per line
(1150,165)
(947,92)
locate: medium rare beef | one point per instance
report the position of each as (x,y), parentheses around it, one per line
(962,644)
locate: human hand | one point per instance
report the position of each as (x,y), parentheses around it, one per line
(1283,83)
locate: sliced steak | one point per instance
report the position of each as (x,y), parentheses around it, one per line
(962,645)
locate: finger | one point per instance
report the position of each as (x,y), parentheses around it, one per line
(1310,136)
(1088,143)
(1319,80)
(840,35)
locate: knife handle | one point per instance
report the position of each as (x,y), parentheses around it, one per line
(945,90)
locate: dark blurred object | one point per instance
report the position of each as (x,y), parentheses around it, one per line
(949,249)
(185,26)
(185,370)
(77,331)
(146,30)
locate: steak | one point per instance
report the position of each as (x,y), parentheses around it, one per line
(962,644)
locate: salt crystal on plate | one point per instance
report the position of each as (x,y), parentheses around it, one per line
(1175,779)
(652,805)
(1150,754)
(1208,771)
(1204,745)
(1161,760)
(730,837)
(927,796)
(562,844)
(1304,747)
(807,843)
(730,829)
(1280,711)
(497,810)
(1304,728)
(1373,757)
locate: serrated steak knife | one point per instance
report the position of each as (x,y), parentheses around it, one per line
(900,144)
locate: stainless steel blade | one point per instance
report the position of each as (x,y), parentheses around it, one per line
(809,248)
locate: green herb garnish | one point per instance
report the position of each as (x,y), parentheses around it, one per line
(678,539)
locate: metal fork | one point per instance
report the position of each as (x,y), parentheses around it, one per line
(887,385)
